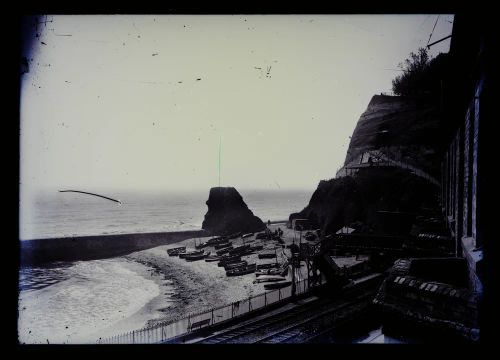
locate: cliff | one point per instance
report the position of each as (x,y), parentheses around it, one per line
(358,201)
(227,213)
(404,130)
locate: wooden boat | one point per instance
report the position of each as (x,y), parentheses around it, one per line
(282,271)
(196,257)
(211,258)
(268,266)
(277,285)
(201,245)
(217,240)
(184,254)
(246,235)
(246,252)
(214,239)
(239,249)
(241,270)
(224,250)
(229,259)
(268,278)
(268,255)
(235,265)
(176,251)
(235,235)
(223,245)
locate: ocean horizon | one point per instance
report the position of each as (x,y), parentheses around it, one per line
(55,215)
(76,301)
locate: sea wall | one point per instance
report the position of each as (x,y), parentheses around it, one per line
(37,251)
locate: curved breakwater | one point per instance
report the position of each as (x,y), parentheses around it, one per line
(39,251)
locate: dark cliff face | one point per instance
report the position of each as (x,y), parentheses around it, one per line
(403,129)
(228,213)
(347,200)
(334,203)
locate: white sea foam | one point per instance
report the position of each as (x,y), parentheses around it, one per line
(96,295)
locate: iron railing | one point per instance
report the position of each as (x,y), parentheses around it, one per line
(167,330)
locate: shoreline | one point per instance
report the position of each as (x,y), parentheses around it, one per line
(148,312)
(184,287)
(199,285)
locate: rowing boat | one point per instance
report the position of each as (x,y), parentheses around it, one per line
(235,265)
(176,251)
(239,249)
(268,278)
(267,255)
(184,254)
(268,266)
(224,250)
(195,257)
(229,259)
(277,285)
(222,245)
(241,271)
(283,271)
(211,258)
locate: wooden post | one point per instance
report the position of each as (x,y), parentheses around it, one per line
(212,316)
(133,337)
(265,299)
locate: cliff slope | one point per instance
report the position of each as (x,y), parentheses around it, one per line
(405,130)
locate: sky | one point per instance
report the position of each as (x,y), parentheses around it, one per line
(143,103)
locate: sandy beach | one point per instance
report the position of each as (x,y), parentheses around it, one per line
(188,287)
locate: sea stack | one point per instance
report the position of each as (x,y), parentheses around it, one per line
(227,213)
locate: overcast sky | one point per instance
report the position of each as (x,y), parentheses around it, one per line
(114,102)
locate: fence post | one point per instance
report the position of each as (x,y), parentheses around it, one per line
(232,310)
(212,316)
(265,299)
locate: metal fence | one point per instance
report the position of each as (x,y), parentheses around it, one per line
(217,315)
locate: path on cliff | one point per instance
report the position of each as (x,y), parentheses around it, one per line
(385,161)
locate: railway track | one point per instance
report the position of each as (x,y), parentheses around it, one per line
(300,324)
(262,324)
(310,328)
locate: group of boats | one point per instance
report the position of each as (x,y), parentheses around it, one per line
(230,258)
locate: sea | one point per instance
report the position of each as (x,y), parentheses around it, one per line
(70,302)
